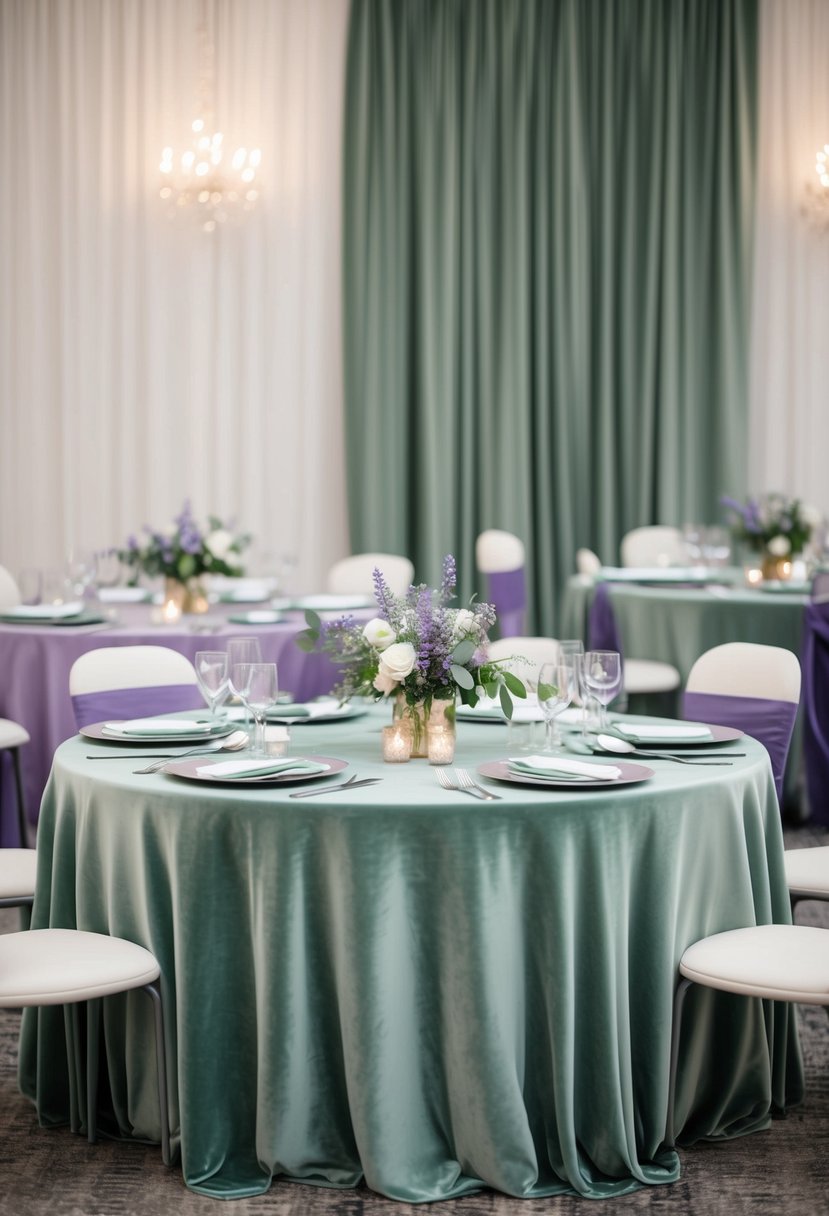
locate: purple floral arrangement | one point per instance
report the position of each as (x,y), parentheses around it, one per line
(772,522)
(183,550)
(416,645)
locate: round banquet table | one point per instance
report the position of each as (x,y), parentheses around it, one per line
(678,624)
(405,985)
(36,660)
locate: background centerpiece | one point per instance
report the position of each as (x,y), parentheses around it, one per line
(775,527)
(182,553)
(418,650)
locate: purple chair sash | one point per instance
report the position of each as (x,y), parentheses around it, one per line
(602,629)
(507,591)
(120,703)
(815,665)
(769,722)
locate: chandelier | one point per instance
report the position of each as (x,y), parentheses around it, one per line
(816,199)
(207,181)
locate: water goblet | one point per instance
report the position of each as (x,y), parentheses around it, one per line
(555,692)
(212,676)
(258,686)
(30,585)
(80,570)
(241,650)
(602,676)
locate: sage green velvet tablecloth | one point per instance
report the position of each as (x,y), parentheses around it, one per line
(413,987)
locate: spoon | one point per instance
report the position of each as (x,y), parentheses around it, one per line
(233,743)
(610,743)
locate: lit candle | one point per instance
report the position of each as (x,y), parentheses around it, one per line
(753,575)
(277,739)
(441,745)
(170,612)
(397,742)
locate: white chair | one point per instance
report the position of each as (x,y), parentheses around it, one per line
(9,590)
(654,545)
(807,873)
(13,736)
(751,687)
(587,562)
(18,869)
(355,575)
(131,681)
(527,654)
(65,966)
(774,962)
(500,558)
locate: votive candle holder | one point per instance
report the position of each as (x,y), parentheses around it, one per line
(397,743)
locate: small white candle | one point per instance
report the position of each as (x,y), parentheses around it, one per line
(753,576)
(441,744)
(170,612)
(277,739)
(397,743)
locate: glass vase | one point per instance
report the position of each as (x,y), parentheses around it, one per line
(189,595)
(776,568)
(438,713)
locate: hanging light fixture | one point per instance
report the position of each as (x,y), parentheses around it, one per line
(816,199)
(206,181)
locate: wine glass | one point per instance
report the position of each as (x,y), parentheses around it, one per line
(258,686)
(80,570)
(211,673)
(555,692)
(241,650)
(30,585)
(602,676)
(107,567)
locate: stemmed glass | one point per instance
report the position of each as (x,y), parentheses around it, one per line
(211,673)
(239,651)
(107,568)
(258,686)
(602,677)
(555,692)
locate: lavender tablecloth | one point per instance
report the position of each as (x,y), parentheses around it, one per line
(35,661)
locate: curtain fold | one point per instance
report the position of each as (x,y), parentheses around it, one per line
(547,229)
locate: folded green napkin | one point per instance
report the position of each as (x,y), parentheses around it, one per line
(261,768)
(561,769)
(161,726)
(663,732)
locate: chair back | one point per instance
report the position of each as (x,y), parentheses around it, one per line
(131,682)
(587,562)
(9,590)
(525,654)
(820,586)
(500,558)
(654,545)
(355,575)
(751,687)
(815,652)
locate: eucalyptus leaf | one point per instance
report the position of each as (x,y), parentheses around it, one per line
(462,677)
(464,651)
(306,642)
(506,702)
(514,684)
(312,620)
(546,691)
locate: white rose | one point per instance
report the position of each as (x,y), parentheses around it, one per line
(219,543)
(811,516)
(397,662)
(463,624)
(384,683)
(779,546)
(379,634)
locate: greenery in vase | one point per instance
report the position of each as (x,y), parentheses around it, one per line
(184,550)
(416,646)
(772,523)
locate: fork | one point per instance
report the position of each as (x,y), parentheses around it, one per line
(466,783)
(443,779)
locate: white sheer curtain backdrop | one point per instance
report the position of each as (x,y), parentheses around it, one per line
(789,366)
(143,360)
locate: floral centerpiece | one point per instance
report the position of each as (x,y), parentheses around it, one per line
(419,650)
(182,552)
(776,527)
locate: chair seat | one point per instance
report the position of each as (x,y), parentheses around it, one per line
(17,873)
(61,966)
(12,734)
(807,872)
(779,962)
(649,675)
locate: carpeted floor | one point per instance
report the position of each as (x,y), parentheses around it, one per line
(785,1169)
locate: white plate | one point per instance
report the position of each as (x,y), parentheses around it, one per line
(43,612)
(630,774)
(96,731)
(189,770)
(332,603)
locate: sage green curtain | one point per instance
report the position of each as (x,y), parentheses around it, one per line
(547,222)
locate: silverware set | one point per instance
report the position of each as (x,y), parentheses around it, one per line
(353,783)
(463,784)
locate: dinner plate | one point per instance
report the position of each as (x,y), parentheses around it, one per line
(718,734)
(783,587)
(665,574)
(332,603)
(188,770)
(83,618)
(629,775)
(282,714)
(96,731)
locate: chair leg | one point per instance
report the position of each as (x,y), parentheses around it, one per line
(70,1026)
(676,1028)
(154,992)
(93,1024)
(22,822)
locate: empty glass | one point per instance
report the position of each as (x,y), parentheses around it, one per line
(602,679)
(241,650)
(258,686)
(30,585)
(555,692)
(211,673)
(80,570)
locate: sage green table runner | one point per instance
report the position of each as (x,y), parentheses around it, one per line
(408,985)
